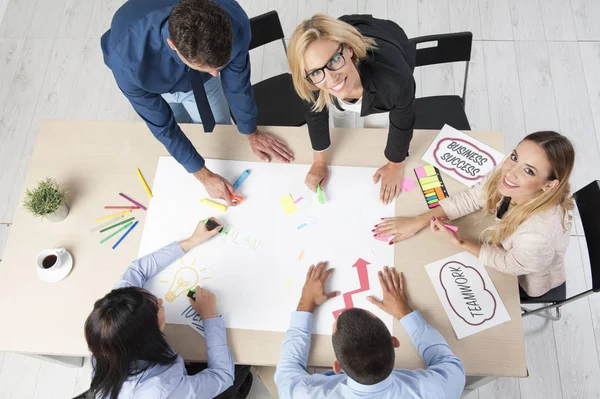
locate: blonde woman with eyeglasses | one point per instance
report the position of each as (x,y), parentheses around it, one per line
(361,65)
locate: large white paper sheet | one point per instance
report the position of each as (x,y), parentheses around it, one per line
(467,294)
(461,156)
(258,269)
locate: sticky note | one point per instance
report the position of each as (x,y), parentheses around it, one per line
(384,238)
(429,192)
(288,204)
(420,172)
(427,180)
(431,197)
(430,170)
(433,200)
(434,205)
(431,185)
(440,193)
(407,184)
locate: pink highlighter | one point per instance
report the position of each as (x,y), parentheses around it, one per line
(453,229)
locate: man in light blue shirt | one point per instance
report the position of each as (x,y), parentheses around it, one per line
(364,349)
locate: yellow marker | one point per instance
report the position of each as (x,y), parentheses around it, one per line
(288,204)
(139,173)
(220,207)
(114,215)
(429,170)
(301,255)
(431,185)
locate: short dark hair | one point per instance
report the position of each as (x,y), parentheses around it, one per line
(363,345)
(124,336)
(201,31)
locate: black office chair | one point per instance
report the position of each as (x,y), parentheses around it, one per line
(436,111)
(277,101)
(588,200)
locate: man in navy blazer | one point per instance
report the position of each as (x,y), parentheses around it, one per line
(157,49)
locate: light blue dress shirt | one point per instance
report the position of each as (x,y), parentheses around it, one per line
(172,381)
(443,378)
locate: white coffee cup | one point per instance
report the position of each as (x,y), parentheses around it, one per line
(54,264)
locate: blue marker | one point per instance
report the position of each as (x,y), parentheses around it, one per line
(241,179)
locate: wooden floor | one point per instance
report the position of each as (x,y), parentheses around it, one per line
(535,65)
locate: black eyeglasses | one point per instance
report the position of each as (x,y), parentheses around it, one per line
(335,63)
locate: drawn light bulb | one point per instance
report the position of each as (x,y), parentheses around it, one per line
(185,279)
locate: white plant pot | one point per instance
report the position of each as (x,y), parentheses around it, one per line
(60,214)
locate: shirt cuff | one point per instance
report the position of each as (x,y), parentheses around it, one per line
(302,320)
(486,254)
(247,128)
(194,164)
(412,322)
(214,331)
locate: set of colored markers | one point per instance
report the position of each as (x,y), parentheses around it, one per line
(117,220)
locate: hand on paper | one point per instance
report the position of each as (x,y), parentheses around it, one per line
(318,173)
(394,300)
(391,177)
(265,146)
(200,235)
(438,228)
(205,304)
(313,293)
(216,186)
(401,228)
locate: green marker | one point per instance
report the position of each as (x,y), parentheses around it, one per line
(320,194)
(117,224)
(115,233)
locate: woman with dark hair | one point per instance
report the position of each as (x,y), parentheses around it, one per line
(131,356)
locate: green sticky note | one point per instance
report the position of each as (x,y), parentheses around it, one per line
(430,170)
(428,180)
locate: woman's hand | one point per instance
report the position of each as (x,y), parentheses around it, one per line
(205,303)
(400,228)
(201,235)
(391,176)
(318,174)
(443,232)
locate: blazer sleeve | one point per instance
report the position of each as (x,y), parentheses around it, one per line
(318,129)
(402,123)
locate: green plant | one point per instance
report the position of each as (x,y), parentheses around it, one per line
(45,199)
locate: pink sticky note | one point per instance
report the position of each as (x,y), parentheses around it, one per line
(384,238)
(450,227)
(298,200)
(407,184)
(420,172)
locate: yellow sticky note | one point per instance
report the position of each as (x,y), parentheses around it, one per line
(431,185)
(429,170)
(288,205)
(427,180)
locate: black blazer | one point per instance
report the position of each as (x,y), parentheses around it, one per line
(386,75)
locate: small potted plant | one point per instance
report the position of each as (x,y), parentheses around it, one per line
(47,200)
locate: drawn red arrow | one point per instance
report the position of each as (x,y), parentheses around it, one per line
(363,278)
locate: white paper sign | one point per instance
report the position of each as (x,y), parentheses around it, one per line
(257,270)
(467,294)
(461,156)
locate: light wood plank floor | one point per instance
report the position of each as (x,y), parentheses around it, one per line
(535,65)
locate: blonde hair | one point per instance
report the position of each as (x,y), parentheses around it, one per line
(561,155)
(327,28)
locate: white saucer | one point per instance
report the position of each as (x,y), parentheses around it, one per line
(53,275)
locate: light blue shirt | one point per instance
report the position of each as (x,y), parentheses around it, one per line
(172,381)
(443,378)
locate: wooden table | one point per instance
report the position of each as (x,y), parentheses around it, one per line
(96,160)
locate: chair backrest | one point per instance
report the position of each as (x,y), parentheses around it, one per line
(266,28)
(451,47)
(588,203)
